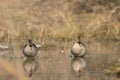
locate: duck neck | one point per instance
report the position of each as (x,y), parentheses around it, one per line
(79,42)
(30,44)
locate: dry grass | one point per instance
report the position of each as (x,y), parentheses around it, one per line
(42,20)
(56,21)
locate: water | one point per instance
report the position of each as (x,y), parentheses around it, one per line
(59,65)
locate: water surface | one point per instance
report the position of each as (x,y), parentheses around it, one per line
(57,64)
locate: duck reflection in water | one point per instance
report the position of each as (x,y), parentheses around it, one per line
(3,52)
(78,64)
(30,66)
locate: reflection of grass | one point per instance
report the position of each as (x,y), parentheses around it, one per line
(12,70)
(54,23)
(114,67)
(112,70)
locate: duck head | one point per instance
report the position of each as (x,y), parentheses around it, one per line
(30,42)
(79,39)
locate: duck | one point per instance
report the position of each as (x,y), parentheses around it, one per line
(78,49)
(30,49)
(3,47)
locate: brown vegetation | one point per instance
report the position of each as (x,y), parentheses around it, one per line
(56,21)
(59,20)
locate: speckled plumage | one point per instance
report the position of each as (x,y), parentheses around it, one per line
(30,49)
(78,48)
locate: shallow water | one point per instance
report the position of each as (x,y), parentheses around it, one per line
(59,65)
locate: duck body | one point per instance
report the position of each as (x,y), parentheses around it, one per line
(3,47)
(78,49)
(30,49)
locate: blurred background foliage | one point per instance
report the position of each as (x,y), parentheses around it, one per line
(59,20)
